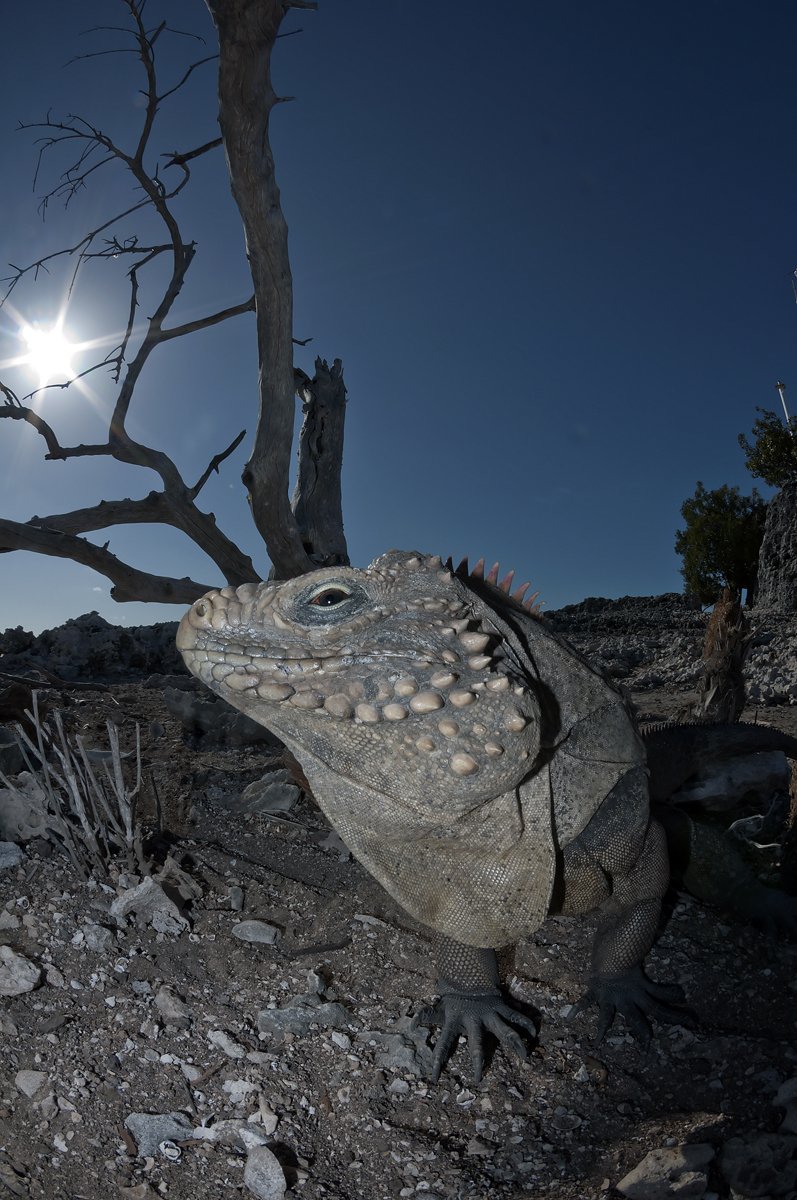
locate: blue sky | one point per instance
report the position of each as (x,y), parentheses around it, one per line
(553,247)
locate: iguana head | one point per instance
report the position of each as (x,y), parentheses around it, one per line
(400,674)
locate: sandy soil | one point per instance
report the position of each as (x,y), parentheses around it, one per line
(346,1111)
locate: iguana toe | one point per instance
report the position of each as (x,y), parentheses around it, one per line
(636,998)
(471,1014)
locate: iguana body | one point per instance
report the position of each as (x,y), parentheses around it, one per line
(479,768)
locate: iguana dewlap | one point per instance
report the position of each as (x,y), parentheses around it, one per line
(479,768)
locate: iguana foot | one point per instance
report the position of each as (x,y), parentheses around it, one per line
(635,998)
(471,1014)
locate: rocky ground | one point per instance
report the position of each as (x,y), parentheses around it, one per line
(239,1019)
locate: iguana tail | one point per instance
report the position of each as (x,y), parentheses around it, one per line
(706,862)
(677,752)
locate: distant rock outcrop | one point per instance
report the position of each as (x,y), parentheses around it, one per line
(643,642)
(777,561)
(89,647)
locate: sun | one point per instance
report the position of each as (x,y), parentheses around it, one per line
(49,352)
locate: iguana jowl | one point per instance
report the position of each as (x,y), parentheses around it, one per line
(479,768)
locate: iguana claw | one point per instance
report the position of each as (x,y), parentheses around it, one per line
(471,1014)
(635,998)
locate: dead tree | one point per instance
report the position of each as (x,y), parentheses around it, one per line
(300,534)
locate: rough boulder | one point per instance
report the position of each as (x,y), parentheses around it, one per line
(777,562)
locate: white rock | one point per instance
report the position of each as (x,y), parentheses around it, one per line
(233,1049)
(263,1174)
(17,974)
(10,855)
(238,1089)
(256,931)
(98,938)
(150,904)
(671,1171)
(174,1011)
(30,1082)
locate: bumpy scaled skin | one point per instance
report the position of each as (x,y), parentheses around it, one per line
(481,770)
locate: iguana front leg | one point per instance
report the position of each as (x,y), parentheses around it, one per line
(623,872)
(471,1002)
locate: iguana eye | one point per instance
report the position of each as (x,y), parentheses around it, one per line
(330,597)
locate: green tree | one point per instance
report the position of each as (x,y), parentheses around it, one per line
(773,455)
(720,543)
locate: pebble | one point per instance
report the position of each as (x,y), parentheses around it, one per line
(17,973)
(151,905)
(263,1174)
(274,793)
(151,1129)
(672,1171)
(238,1089)
(30,1082)
(175,1012)
(256,931)
(10,855)
(478,1148)
(98,938)
(233,1049)
(242,1134)
(300,1015)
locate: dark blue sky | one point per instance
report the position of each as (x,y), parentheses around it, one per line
(553,246)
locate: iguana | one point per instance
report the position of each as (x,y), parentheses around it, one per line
(471,759)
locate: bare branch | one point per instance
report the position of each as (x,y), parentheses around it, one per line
(205,322)
(18,412)
(215,463)
(172,507)
(189,71)
(86,240)
(151,508)
(128,582)
(179,160)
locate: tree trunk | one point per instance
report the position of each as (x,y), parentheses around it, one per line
(247,31)
(727,641)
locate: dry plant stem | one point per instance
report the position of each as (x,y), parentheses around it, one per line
(78,795)
(105,812)
(175,504)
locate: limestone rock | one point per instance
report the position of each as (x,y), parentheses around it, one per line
(17,973)
(672,1171)
(760,1164)
(263,1174)
(10,855)
(256,931)
(152,906)
(150,1130)
(777,560)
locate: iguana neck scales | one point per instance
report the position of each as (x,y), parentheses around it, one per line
(481,769)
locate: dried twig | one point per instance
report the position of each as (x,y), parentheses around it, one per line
(93,819)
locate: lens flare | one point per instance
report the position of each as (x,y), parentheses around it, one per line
(49,352)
